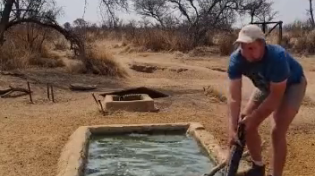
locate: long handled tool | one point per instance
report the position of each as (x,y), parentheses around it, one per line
(236,151)
(235,156)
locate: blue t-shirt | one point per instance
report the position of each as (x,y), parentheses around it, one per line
(276,66)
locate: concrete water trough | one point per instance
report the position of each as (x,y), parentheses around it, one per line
(139,99)
(76,154)
(131,102)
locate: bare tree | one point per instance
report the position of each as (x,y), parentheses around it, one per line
(204,15)
(80,23)
(110,7)
(155,9)
(42,13)
(260,9)
(266,13)
(5,17)
(67,26)
(193,17)
(16,10)
(311,13)
(251,7)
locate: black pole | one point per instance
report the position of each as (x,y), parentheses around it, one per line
(271,29)
(237,151)
(280,32)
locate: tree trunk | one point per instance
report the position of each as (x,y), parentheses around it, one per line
(5,18)
(311,13)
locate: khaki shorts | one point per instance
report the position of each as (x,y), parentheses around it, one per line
(293,96)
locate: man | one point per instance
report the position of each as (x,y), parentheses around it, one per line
(280,86)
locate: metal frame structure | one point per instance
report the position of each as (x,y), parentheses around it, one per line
(264,26)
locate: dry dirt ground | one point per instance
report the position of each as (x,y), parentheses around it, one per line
(33,135)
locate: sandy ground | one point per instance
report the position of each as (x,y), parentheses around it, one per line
(33,135)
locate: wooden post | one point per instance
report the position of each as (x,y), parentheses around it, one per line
(52,93)
(30,92)
(102,109)
(94,98)
(48,93)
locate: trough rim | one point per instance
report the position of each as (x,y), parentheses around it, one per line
(74,154)
(110,99)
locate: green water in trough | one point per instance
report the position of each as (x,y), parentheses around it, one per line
(146,155)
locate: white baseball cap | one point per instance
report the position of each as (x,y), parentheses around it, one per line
(249,34)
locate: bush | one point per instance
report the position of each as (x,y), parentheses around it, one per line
(104,63)
(225,43)
(13,56)
(160,40)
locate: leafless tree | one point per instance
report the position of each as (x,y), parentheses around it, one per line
(195,17)
(260,9)
(80,23)
(310,12)
(156,9)
(204,15)
(266,12)
(42,13)
(17,11)
(67,26)
(109,9)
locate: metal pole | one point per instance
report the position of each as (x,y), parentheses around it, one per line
(280,32)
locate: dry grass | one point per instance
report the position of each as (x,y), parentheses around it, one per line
(214,94)
(16,53)
(308,101)
(46,62)
(225,43)
(46,57)
(61,45)
(298,37)
(24,48)
(13,56)
(74,66)
(159,40)
(104,63)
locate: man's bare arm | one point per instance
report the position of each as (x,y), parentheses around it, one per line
(234,101)
(272,101)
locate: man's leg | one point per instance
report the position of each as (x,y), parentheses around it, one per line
(253,139)
(282,118)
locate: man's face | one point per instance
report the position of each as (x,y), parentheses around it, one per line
(252,51)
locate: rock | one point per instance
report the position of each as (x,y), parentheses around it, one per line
(217,69)
(143,68)
(178,70)
(82,87)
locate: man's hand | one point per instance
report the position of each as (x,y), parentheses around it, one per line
(250,121)
(233,138)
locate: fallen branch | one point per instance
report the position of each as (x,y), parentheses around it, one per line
(8,73)
(6,92)
(220,166)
